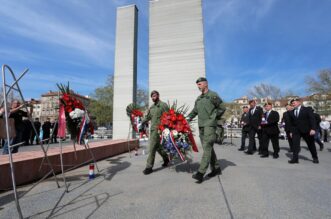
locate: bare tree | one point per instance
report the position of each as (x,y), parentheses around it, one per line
(321,87)
(265,90)
(321,84)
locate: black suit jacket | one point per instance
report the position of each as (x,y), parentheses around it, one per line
(304,122)
(245,119)
(256,118)
(286,118)
(271,128)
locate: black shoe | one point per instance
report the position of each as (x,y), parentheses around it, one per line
(215,172)
(322,147)
(198,176)
(148,171)
(241,149)
(165,162)
(315,160)
(275,156)
(264,155)
(249,152)
(293,161)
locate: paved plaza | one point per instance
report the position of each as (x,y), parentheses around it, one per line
(250,187)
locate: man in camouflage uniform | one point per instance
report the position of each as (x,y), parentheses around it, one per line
(154,114)
(209,109)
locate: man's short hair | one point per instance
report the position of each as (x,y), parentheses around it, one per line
(295,99)
(251,101)
(155,92)
(244,107)
(268,104)
(201,79)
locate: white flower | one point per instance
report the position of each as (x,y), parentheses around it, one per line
(166,133)
(77,113)
(174,133)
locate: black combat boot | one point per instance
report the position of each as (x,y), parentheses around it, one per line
(148,171)
(198,176)
(215,172)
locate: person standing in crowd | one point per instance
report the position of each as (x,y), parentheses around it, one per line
(154,114)
(325,126)
(244,122)
(208,107)
(17,114)
(37,125)
(46,127)
(302,125)
(317,135)
(285,122)
(54,127)
(27,131)
(270,131)
(255,118)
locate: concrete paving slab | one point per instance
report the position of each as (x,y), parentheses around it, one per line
(250,187)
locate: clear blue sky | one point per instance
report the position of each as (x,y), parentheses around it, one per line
(278,42)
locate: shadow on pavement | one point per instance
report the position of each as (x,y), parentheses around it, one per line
(193,167)
(9,198)
(301,157)
(116,167)
(84,199)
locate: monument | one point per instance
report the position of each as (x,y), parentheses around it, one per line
(125,70)
(176,49)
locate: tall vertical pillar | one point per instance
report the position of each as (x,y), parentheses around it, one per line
(125,70)
(176,49)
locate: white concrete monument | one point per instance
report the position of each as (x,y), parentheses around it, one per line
(125,70)
(176,49)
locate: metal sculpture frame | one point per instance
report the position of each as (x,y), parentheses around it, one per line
(15,86)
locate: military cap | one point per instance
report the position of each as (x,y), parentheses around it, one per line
(295,99)
(154,92)
(201,79)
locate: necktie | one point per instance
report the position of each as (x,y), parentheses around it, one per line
(296,112)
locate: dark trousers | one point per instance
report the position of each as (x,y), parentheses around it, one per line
(19,138)
(244,135)
(265,143)
(317,138)
(46,135)
(290,140)
(309,139)
(33,135)
(252,144)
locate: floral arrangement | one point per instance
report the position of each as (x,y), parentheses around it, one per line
(136,115)
(76,117)
(176,133)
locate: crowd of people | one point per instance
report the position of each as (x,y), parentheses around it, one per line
(299,122)
(26,131)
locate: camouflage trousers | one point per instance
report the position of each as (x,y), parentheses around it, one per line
(155,146)
(208,137)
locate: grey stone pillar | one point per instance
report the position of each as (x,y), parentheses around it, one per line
(125,70)
(176,49)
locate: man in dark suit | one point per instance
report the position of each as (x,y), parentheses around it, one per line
(285,122)
(317,135)
(46,127)
(302,124)
(37,125)
(270,131)
(255,117)
(244,122)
